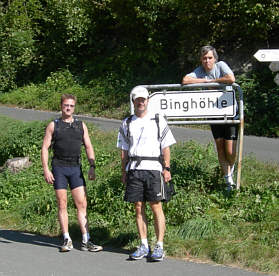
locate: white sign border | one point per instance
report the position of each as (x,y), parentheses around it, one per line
(203,92)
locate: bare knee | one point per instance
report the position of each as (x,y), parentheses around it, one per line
(156,207)
(139,207)
(62,204)
(81,204)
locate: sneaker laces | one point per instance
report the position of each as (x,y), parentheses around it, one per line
(66,241)
(157,249)
(141,249)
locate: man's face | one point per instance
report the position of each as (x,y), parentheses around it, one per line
(68,107)
(208,60)
(140,105)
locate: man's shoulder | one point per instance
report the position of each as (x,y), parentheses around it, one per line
(198,72)
(128,118)
(199,69)
(223,67)
(221,63)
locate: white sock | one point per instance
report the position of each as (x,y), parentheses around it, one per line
(160,244)
(145,242)
(231,170)
(229,179)
(85,237)
(66,235)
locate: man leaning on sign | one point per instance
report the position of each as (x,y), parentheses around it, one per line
(225,135)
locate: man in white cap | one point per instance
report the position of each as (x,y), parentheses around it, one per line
(145,140)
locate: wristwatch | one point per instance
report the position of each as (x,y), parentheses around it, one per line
(167,169)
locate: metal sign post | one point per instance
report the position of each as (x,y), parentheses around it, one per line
(212,103)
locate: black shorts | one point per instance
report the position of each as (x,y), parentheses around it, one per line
(144,185)
(225,131)
(65,175)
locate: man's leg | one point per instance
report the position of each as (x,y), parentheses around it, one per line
(159,220)
(160,226)
(141,219)
(79,197)
(220,147)
(61,197)
(226,150)
(230,151)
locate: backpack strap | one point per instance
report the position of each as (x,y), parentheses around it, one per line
(56,121)
(128,122)
(158,126)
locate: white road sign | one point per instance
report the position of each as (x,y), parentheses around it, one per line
(194,104)
(267,55)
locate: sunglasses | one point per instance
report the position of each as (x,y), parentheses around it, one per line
(69,105)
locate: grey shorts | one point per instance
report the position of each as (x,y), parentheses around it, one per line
(65,175)
(144,185)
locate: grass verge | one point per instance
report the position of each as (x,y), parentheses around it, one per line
(203,221)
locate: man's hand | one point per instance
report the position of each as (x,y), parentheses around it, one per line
(48,176)
(91,173)
(167,175)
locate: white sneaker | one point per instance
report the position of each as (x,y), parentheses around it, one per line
(230,183)
(67,246)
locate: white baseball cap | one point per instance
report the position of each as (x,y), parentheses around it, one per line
(139,92)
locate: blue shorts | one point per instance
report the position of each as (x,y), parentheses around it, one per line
(65,175)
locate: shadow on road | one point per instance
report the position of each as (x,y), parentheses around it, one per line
(9,236)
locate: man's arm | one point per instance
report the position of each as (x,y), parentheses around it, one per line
(89,152)
(166,156)
(228,79)
(44,153)
(124,160)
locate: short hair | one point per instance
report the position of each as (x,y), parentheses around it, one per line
(67,97)
(205,49)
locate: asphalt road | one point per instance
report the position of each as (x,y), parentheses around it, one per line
(23,254)
(262,148)
(27,254)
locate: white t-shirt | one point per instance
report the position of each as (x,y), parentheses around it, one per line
(144,140)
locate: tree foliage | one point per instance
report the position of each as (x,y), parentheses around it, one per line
(148,38)
(135,41)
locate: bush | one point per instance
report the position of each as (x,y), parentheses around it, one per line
(261,103)
(20,139)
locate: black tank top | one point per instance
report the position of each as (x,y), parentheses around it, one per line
(66,143)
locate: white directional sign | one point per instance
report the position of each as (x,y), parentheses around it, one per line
(267,55)
(194,104)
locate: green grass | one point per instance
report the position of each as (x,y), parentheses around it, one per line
(203,222)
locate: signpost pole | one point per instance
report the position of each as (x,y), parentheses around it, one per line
(240,153)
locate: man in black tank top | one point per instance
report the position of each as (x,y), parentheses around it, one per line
(66,136)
